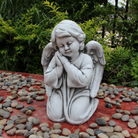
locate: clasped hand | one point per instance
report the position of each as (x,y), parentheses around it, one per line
(60,59)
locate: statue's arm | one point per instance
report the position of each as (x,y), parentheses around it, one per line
(52,75)
(79,78)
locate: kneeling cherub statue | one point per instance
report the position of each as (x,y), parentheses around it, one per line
(72,74)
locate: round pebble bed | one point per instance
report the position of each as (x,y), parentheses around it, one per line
(23,111)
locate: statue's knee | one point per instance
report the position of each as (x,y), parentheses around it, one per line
(55,114)
(56,107)
(79,107)
(75,116)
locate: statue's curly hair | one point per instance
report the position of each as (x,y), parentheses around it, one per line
(68,28)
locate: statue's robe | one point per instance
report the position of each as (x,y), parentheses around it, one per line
(74,83)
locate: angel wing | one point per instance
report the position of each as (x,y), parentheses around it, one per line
(47,55)
(95,50)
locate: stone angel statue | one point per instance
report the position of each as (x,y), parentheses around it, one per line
(72,74)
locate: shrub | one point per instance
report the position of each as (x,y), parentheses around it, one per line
(121,67)
(23,40)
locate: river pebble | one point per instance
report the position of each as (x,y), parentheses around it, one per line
(84,135)
(126,133)
(11,132)
(21,132)
(20,126)
(108,105)
(112,123)
(35,121)
(66,131)
(8,127)
(118,128)
(90,131)
(73,136)
(100,121)
(21,120)
(56,131)
(47,125)
(101,135)
(40,98)
(93,125)
(56,126)
(10,122)
(134,112)
(3,121)
(19,106)
(98,131)
(132,125)
(27,134)
(117,116)
(125,118)
(107,129)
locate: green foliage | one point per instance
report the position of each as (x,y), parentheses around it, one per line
(25,29)
(23,40)
(91,28)
(80,10)
(57,15)
(121,67)
(134,69)
(12,9)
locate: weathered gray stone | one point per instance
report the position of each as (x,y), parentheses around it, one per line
(134,112)
(47,125)
(56,126)
(117,116)
(73,136)
(93,125)
(20,126)
(21,120)
(101,135)
(125,118)
(8,127)
(45,129)
(126,133)
(126,99)
(66,131)
(1,99)
(21,132)
(98,131)
(10,122)
(27,134)
(112,123)
(108,105)
(118,128)
(3,121)
(100,121)
(132,125)
(56,131)
(90,131)
(84,135)
(14,117)
(19,106)
(6,115)
(11,132)
(40,98)
(36,121)
(107,129)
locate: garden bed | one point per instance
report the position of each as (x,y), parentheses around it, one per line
(40,104)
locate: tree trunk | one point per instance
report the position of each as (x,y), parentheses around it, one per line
(125,22)
(126,9)
(103,27)
(114,24)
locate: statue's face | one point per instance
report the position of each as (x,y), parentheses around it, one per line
(68,46)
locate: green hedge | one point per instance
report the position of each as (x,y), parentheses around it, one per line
(22,40)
